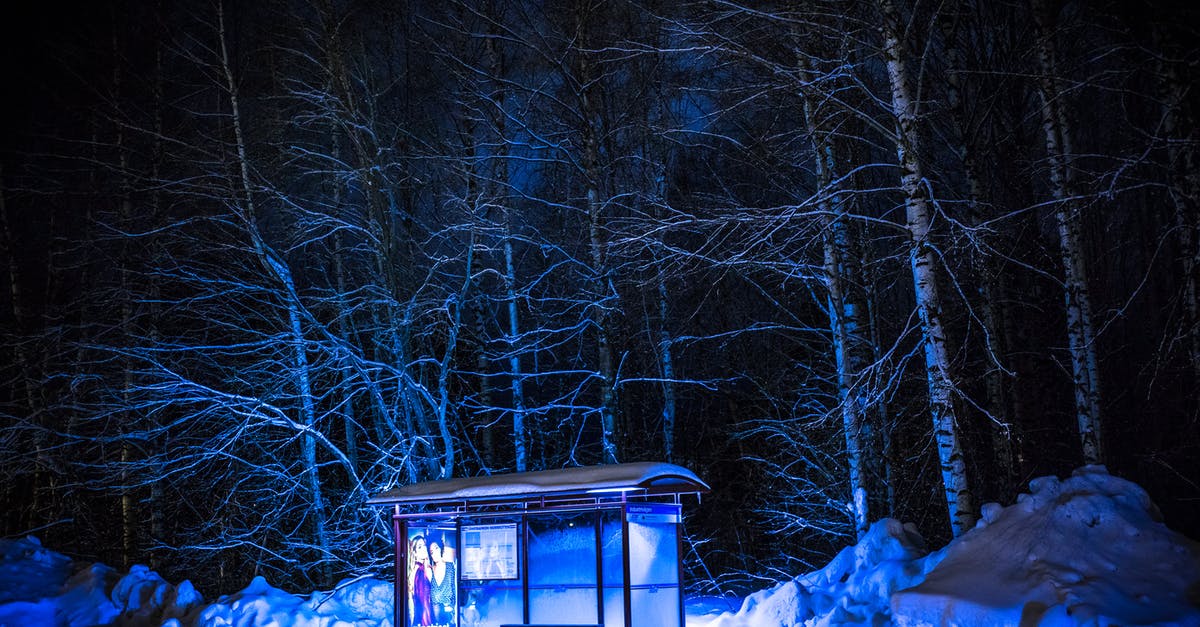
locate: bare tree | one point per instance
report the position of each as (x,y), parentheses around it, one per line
(919,208)
(1081,334)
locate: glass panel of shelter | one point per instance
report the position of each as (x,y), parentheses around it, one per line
(492,580)
(613,555)
(552,558)
(655,593)
(563,569)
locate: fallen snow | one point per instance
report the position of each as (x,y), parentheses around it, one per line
(1090,549)
(853,589)
(1087,550)
(40,588)
(362,602)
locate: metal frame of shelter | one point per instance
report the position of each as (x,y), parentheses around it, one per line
(520,496)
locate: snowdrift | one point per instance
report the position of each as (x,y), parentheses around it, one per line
(362,602)
(1088,550)
(41,588)
(853,589)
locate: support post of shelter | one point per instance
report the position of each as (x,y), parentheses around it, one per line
(525,568)
(627,590)
(679,562)
(598,529)
(400,588)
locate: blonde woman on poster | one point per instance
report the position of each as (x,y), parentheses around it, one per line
(420,576)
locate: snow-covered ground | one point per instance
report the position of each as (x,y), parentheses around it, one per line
(1087,550)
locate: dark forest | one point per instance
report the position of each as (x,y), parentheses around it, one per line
(845,260)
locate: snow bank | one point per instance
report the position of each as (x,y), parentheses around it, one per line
(40,588)
(853,589)
(354,603)
(1087,550)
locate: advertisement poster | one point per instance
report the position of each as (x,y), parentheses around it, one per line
(432,577)
(489,552)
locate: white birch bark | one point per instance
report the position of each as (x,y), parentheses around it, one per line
(843,312)
(658,155)
(1080,331)
(919,214)
(520,430)
(454,307)
(608,419)
(988,303)
(665,342)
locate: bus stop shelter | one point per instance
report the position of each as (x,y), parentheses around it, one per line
(597,545)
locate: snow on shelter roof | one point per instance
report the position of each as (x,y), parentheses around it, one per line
(646,477)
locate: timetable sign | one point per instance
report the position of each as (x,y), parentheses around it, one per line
(652,513)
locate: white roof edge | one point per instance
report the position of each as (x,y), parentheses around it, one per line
(654,476)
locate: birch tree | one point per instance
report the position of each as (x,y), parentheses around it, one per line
(920,213)
(989,304)
(845,310)
(1081,334)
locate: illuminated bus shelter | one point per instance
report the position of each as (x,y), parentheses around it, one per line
(598,545)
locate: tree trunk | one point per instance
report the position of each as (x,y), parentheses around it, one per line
(665,342)
(660,158)
(919,215)
(604,288)
(520,431)
(1184,171)
(1080,332)
(291,299)
(843,314)
(454,308)
(24,371)
(988,303)
(844,311)
(604,291)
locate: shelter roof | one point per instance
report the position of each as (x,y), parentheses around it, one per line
(636,478)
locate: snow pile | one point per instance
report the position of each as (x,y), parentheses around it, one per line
(1090,549)
(39,587)
(854,588)
(361,602)
(1087,550)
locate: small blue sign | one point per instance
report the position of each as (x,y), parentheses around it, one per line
(652,513)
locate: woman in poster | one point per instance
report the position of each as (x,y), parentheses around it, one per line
(420,574)
(444,580)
